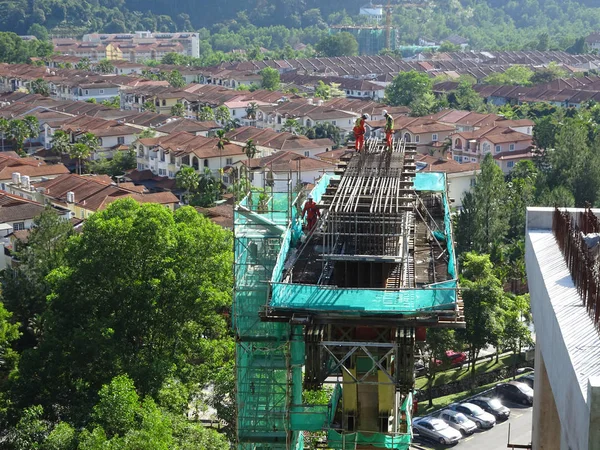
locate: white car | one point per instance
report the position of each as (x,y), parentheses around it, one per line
(458,421)
(481,418)
(436,430)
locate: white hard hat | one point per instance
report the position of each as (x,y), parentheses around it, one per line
(384,112)
(310,196)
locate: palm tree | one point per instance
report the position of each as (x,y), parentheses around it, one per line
(205,114)
(3,129)
(250,149)
(33,128)
(291,126)
(221,146)
(17,132)
(79,151)
(251,110)
(187,179)
(222,115)
(61,143)
(90,141)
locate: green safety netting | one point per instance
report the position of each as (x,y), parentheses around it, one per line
(373,301)
(430,181)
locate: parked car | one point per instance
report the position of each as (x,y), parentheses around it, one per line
(493,406)
(527,379)
(481,418)
(457,359)
(458,421)
(515,392)
(420,368)
(436,430)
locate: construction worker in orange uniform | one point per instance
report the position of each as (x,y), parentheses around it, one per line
(312,213)
(359,132)
(389,129)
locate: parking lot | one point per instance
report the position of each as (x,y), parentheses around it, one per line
(497,437)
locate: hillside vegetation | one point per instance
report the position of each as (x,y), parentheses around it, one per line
(228,24)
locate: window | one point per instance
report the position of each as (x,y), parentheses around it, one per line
(140,166)
(172,159)
(162,172)
(498,149)
(472,182)
(510,164)
(417,139)
(162,155)
(100,142)
(206,163)
(473,159)
(486,147)
(120,140)
(87,92)
(225,179)
(407,137)
(511,147)
(164,102)
(101,91)
(307,154)
(233,112)
(229,161)
(18,226)
(333,122)
(434,137)
(171,174)
(83,214)
(458,144)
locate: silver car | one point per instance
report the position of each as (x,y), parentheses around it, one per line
(458,421)
(436,430)
(481,418)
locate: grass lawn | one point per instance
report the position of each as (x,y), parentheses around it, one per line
(441,402)
(451,375)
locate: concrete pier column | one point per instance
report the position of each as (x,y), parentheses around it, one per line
(593,401)
(546,422)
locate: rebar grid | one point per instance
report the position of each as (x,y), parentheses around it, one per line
(581,263)
(369,210)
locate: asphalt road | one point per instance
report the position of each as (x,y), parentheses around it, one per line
(497,437)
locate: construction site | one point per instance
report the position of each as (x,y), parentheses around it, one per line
(340,309)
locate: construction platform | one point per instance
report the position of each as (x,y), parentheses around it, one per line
(382,249)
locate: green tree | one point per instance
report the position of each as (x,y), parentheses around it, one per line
(178,110)
(490,208)
(149,105)
(408,87)
(175,79)
(114,102)
(31,430)
(4,124)
(187,179)
(40,86)
(520,194)
(17,132)
(222,114)
(33,128)
(338,44)
(39,31)
(482,294)
(323,91)
(62,437)
(173,269)
(465,97)
(222,141)
(549,73)
(83,64)
(291,126)
(270,79)
(251,110)
(438,341)
(79,151)
(250,149)
(104,66)
(447,46)
(9,332)
(60,143)
(513,76)
(116,408)
(466,224)
(423,105)
(206,114)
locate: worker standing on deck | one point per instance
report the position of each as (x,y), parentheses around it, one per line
(312,213)
(389,129)
(359,132)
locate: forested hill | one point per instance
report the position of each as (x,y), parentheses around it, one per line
(486,23)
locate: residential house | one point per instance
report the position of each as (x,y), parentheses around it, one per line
(112,135)
(165,155)
(197,128)
(472,146)
(460,177)
(455,39)
(429,135)
(507,160)
(26,170)
(278,169)
(268,141)
(17,216)
(85,195)
(593,41)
